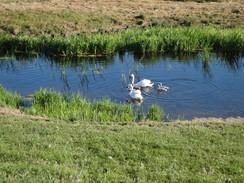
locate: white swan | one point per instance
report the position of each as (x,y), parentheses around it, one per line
(135,94)
(162,88)
(142,83)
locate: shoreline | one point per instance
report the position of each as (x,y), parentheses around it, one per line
(6,110)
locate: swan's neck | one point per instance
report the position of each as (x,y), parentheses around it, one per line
(133,78)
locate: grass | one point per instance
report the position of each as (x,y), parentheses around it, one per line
(23,1)
(49,22)
(204,1)
(154,39)
(66,18)
(41,151)
(31,1)
(76,108)
(10,98)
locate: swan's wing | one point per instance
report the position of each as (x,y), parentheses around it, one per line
(136,95)
(137,92)
(144,83)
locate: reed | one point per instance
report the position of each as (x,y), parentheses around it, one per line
(154,39)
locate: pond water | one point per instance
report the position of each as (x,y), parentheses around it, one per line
(213,88)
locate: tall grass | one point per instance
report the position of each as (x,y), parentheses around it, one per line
(75,107)
(154,39)
(155,113)
(9,98)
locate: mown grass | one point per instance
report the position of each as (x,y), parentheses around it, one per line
(31,1)
(23,1)
(65,20)
(204,1)
(154,39)
(49,22)
(41,151)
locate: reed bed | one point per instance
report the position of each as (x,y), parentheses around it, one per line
(154,39)
(77,108)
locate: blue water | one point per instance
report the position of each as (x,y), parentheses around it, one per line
(197,89)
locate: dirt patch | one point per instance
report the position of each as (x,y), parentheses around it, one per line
(5,110)
(211,119)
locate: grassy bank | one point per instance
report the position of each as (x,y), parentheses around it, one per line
(74,107)
(139,40)
(41,151)
(66,18)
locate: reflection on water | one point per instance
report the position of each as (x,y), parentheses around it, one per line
(199,87)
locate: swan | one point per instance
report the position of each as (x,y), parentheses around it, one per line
(135,94)
(162,88)
(142,83)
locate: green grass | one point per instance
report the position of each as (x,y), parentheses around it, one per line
(154,39)
(34,150)
(10,98)
(76,108)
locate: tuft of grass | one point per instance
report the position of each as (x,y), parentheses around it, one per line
(155,113)
(10,98)
(41,151)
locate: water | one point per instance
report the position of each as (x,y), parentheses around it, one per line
(197,89)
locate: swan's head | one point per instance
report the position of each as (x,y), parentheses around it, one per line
(132,76)
(130,86)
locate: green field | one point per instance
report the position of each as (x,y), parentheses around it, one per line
(38,150)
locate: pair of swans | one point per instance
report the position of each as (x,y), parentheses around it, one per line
(134,92)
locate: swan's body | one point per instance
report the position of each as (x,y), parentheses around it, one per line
(162,88)
(142,83)
(135,94)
